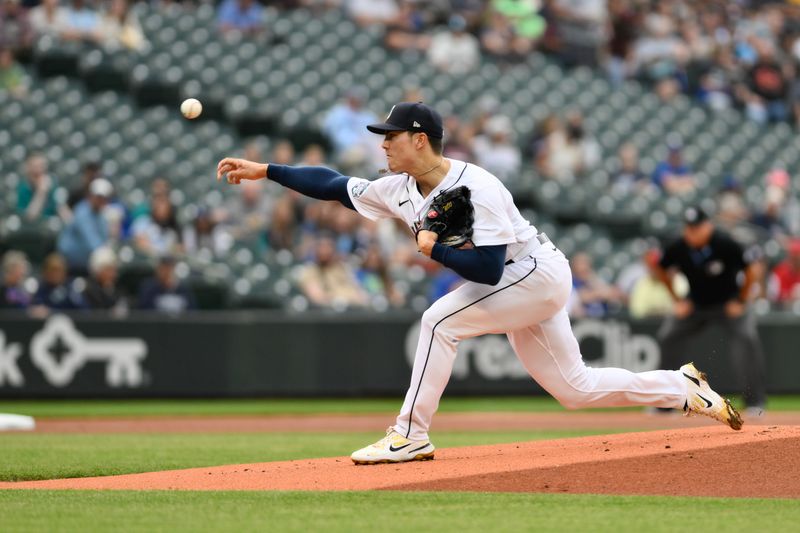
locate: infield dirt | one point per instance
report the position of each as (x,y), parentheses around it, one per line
(759,461)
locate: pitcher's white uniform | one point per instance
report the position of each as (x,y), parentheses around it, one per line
(528,305)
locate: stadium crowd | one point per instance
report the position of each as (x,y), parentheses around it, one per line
(726,54)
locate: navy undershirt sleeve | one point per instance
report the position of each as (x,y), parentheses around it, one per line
(315,182)
(483,264)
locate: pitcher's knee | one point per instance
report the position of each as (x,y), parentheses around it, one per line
(434,321)
(574,390)
(574,399)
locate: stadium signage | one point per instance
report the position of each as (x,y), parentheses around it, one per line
(60,351)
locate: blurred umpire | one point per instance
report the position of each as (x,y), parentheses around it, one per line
(720,278)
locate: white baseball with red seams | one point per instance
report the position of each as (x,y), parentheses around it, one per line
(528,305)
(191,108)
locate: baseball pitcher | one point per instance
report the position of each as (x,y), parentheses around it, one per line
(518,282)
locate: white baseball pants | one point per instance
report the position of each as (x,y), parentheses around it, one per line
(528,305)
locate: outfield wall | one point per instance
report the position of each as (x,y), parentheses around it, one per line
(274,354)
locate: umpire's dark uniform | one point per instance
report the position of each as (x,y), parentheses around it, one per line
(712,263)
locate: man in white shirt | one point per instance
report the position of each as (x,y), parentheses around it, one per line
(454,50)
(518,283)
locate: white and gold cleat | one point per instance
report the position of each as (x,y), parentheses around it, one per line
(394,448)
(702,400)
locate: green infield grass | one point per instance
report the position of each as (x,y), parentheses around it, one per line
(222,407)
(59,455)
(385,511)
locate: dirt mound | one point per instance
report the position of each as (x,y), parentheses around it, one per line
(759,461)
(508,421)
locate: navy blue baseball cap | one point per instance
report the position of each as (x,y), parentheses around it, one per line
(411,116)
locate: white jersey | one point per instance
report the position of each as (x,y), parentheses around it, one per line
(497,219)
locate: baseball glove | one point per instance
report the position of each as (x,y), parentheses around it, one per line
(451,216)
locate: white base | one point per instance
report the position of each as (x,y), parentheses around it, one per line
(16,422)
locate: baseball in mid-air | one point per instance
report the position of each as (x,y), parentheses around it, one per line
(191,108)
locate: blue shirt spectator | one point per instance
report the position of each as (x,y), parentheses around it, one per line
(164,292)
(88,230)
(345,125)
(82,22)
(673,175)
(55,291)
(240,15)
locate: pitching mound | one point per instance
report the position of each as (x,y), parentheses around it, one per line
(759,461)
(610,421)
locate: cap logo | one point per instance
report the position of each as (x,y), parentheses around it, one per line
(390,113)
(416,124)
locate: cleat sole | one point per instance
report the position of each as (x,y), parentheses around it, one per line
(420,457)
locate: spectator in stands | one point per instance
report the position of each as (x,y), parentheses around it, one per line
(55,291)
(245,16)
(623,21)
(91,171)
(282,227)
(164,292)
(581,26)
(593,296)
(88,229)
(454,50)
(770,219)
(672,175)
(49,18)
(502,40)
(495,151)
(458,144)
(345,225)
(159,188)
(101,289)
(407,30)
(629,177)
(732,213)
(121,28)
(313,156)
(649,297)
(713,264)
(587,144)
(367,12)
(283,151)
(115,212)
(767,85)
(539,139)
(486,107)
(785,279)
(36,194)
(345,126)
(204,233)
(328,281)
(12,76)
(12,292)
(374,278)
(158,233)
(566,151)
(718,81)
(473,11)
(83,23)
(659,56)
(17,33)
(246,214)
